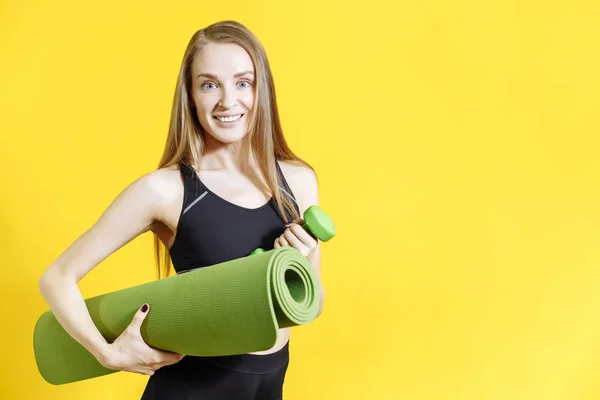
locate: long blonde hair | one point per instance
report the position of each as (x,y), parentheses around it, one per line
(185,140)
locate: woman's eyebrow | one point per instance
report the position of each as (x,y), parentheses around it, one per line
(211,76)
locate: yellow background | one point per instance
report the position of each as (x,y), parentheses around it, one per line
(457,149)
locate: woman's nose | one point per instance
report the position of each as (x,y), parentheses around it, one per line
(227,98)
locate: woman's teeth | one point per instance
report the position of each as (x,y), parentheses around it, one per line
(229,119)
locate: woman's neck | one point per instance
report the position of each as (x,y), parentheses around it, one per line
(236,156)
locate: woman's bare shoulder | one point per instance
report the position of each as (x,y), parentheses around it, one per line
(296,169)
(303,181)
(165,186)
(165,183)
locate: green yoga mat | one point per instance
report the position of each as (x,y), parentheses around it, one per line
(235,307)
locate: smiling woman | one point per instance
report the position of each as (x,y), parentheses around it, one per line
(227,183)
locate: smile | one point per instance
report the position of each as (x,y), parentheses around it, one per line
(228,119)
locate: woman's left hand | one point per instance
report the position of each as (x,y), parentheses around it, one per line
(295,236)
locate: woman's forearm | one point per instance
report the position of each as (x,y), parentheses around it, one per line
(66,302)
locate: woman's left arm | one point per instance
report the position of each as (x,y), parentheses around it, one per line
(303,183)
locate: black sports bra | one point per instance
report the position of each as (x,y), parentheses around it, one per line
(212,230)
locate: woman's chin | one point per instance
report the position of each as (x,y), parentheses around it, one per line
(228,137)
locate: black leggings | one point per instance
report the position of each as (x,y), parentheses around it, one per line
(202,379)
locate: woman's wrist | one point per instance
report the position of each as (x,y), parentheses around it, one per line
(104,353)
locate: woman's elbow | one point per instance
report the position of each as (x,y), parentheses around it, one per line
(50,279)
(46,281)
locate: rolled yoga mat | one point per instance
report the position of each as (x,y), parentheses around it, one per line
(234,307)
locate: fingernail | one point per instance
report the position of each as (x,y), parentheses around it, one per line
(288,224)
(145,308)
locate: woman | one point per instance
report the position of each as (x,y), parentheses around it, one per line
(227,183)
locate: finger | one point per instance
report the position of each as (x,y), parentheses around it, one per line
(174,359)
(168,358)
(277,244)
(303,236)
(283,241)
(172,356)
(292,239)
(139,317)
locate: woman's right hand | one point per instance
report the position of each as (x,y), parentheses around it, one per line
(129,352)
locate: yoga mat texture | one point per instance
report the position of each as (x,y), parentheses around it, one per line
(234,307)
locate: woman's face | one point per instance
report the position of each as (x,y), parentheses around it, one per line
(223,90)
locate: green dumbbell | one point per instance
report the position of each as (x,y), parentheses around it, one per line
(317,223)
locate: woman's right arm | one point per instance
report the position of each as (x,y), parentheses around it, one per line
(131,213)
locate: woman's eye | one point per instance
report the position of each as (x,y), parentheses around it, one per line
(246,83)
(206,85)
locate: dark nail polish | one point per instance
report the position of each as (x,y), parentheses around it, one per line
(288,224)
(145,308)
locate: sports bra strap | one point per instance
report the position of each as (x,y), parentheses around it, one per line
(193,187)
(285,188)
